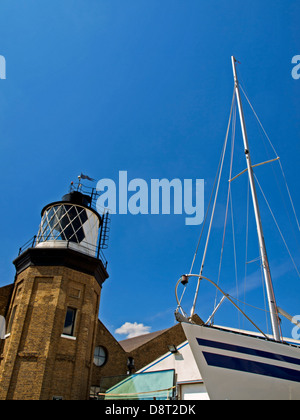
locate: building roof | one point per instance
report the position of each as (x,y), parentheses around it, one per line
(132,343)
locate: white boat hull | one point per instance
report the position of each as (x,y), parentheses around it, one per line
(240,367)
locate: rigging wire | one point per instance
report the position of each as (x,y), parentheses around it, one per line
(250,305)
(267,312)
(214,205)
(221,161)
(265,298)
(234,250)
(274,150)
(282,237)
(206,214)
(247,238)
(203,226)
(232,216)
(227,203)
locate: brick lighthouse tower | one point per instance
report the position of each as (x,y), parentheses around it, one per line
(53,310)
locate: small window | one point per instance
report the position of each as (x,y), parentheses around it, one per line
(70,321)
(100,356)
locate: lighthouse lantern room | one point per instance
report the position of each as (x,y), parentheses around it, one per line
(70,223)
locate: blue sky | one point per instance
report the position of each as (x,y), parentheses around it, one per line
(145,87)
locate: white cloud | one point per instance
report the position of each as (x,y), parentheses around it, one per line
(132,329)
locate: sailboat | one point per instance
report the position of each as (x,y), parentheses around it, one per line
(239,365)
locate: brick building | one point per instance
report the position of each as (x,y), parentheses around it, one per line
(55,346)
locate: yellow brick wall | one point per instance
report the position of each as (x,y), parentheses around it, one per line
(36,362)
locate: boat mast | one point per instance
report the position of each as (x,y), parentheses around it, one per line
(262,246)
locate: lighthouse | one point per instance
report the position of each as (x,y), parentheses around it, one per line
(53,311)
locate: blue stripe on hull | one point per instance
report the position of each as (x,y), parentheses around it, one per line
(250,366)
(247,350)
